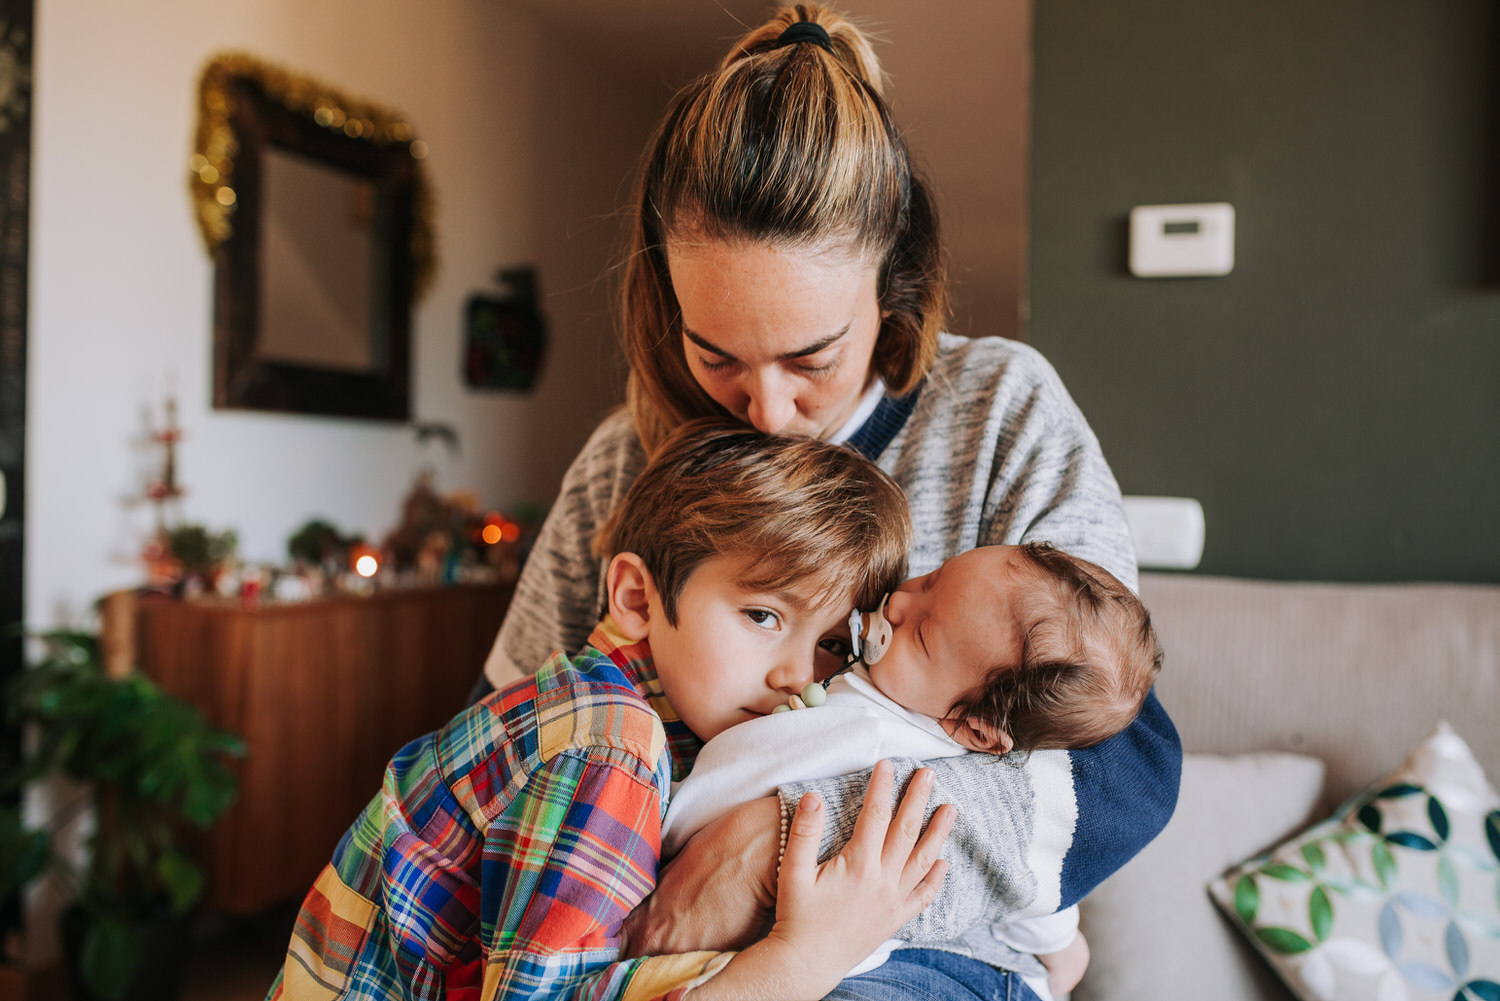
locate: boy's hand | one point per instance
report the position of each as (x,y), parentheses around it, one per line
(886,875)
(718,893)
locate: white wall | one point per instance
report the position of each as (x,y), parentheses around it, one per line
(530,149)
(961,89)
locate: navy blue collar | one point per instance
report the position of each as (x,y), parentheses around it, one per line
(889,417)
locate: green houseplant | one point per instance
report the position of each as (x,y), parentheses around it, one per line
(151,766)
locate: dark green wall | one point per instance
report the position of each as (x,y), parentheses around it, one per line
(1335,401)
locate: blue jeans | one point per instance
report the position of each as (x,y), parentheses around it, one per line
(933,975)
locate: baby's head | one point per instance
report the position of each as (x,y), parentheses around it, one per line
(1020,647)
(738,554)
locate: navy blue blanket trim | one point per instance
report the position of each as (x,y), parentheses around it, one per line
(1126,789)
(889,417)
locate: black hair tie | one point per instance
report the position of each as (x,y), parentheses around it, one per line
(805,31)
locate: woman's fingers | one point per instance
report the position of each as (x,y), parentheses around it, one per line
(923,860)
(902,834)
(799,860)
(871,827)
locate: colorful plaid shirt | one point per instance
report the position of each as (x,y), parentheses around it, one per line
(503,851)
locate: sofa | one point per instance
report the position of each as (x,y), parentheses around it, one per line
(1290,699)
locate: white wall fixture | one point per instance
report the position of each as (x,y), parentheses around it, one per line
(1167,531)
(1174,241)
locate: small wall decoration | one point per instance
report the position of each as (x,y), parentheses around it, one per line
(505,336)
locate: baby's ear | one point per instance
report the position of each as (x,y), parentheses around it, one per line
(977,735)
(629,588)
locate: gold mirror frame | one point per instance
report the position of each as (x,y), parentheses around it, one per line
(247,108)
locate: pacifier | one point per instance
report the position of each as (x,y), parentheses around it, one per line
(869,637)
(869,633)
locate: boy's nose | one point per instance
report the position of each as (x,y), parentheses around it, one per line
(791,676)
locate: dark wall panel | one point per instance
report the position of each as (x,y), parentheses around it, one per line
(1335,401)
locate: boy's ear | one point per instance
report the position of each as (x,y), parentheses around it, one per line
(629,589)
(977,735)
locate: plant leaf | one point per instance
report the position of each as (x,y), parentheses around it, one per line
(1313,852)
(182,878)
(1458,949)
(1447,877)
(1286,873)
(1410,839)
(1246,899)
(1398,790)
(110,956)
(1439,818)
(1484,990)
(1282,940)
(1385,864)
(1320,913)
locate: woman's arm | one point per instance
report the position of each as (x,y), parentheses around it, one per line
(559,598)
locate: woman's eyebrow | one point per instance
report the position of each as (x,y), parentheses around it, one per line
(811,349)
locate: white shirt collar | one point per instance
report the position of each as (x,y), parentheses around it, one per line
(867,405)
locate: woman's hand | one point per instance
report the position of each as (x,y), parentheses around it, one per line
(830,917)
(718,893)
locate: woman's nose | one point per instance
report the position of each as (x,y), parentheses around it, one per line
(772,404)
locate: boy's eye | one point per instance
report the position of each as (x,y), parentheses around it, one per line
(762,617)
(839,648)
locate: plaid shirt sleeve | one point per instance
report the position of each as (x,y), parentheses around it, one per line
(421,903)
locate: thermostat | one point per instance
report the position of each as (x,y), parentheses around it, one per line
(1172,241)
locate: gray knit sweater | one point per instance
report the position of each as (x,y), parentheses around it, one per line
(990,450)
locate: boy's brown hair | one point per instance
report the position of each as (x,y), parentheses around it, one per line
(1088,658)
(793,511)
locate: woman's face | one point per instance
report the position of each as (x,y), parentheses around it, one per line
(780,338)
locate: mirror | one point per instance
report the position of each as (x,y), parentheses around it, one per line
(316,210)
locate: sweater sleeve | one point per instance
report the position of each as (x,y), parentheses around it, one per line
(559,596)
(1050,481)
(996,453)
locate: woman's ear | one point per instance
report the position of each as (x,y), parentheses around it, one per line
(977,735)
(630,589)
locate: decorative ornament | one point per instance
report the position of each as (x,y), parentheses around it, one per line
(15,75)
(165,489)
(216,146)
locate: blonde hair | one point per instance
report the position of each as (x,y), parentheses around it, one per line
(1088,659)
(790,145)
(792,512)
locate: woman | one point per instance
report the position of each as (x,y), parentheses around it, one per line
(785,269)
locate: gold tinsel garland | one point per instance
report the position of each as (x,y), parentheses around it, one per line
(211,167)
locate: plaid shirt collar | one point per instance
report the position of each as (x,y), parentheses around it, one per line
(634,660)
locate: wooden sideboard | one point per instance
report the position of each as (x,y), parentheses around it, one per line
(323,694)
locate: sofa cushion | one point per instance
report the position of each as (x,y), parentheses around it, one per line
(1152,931)
(1352,674)
(1394,896)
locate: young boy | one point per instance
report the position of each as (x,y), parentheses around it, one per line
(504,850)
(1001,648)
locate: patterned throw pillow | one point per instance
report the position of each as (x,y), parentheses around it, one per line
(1397,896)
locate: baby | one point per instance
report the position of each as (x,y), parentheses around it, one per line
(1003,648)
